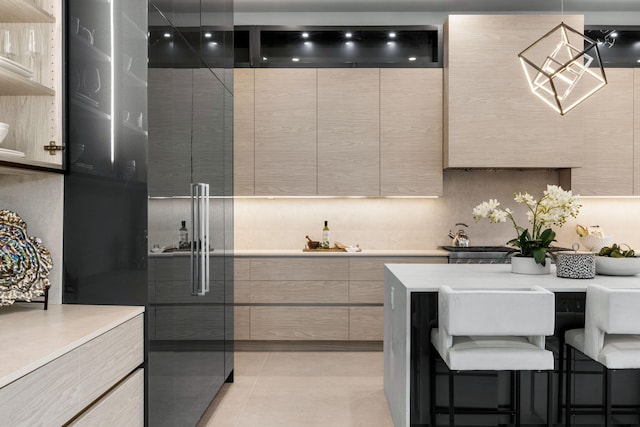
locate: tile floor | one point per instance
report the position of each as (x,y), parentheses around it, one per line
(287,389)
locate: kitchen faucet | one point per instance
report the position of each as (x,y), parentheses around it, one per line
(460,238)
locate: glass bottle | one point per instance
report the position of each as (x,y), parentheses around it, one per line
(325,235)
(184,237)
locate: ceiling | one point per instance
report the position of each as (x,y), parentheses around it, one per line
(474,6)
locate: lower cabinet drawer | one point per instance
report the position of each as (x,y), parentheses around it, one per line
(299,323)
(122,406)
(55,393)
(366,323)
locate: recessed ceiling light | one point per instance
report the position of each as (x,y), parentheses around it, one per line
(213,43)
(349,43)
(391,43)
(614,34)
(295,59)
(638,60)
(392,35)
(264,58)
(207,35)
(348,35)
(412,58)
(167,35)
(305,35)
(307,43)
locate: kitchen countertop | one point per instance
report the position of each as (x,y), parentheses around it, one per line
(32,337)
(299,252)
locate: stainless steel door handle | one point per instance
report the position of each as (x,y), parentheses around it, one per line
(199,239)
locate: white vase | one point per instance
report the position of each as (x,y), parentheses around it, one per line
(528,265)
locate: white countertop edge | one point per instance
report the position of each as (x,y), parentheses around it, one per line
(54,350)
(301,253)
(430,277)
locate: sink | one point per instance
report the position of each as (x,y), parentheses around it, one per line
(478,249)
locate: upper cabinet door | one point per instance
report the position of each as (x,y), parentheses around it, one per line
(491,117)
(31,83)
(411,131)
(608,139)
(285,132)
(636,132)
(243,131)
(349,132)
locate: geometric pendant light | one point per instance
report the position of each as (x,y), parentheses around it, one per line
(563,68)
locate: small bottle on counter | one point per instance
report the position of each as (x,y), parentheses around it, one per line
(183,243)
(325,235)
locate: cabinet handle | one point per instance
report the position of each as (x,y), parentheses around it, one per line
(199,239)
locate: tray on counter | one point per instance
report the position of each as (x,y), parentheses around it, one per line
(329,250)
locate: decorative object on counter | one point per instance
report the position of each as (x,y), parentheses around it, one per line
(337,247)
(4,130)
(325,235)
(311,244)
(183,242)
(24,262)
(460,239)
(563,68)
(528,265)
(553,209)
(615,261)
(575,264)
(593,237)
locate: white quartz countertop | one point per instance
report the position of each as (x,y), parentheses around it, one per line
(32,337)
(429,278)
(300,252)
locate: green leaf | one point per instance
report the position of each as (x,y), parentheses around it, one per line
(539,254)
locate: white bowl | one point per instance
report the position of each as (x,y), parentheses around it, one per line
(609,266)
(4,130)
(595,243)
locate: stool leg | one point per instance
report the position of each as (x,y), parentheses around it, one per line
(432,386)
(451,402)
(549,397)
(517,398)
(512,393)
(568,388)
(560,375)
(606,392)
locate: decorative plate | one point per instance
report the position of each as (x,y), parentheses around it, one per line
(24,262)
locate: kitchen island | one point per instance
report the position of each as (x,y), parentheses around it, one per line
(410,292)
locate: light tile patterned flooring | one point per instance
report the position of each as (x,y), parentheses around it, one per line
(295,389)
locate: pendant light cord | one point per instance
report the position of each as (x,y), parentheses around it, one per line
(561,10)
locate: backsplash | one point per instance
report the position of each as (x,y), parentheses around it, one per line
(421,223)
(388,223)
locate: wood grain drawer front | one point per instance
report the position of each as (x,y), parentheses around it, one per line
(372,268)
(299,323)
(56,392)
(299,292)
(241,291)
(241,323)
(241,269)
(123,406)
(366,292)
(366,323)
(299,269)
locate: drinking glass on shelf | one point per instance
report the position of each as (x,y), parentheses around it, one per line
(33,50)
(91,82)
(8,44)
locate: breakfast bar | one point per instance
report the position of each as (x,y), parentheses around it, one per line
(410,307)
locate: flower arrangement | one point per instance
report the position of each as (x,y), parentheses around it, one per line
(553,209)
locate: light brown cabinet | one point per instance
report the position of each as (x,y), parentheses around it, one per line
(636,132)
(349,132)
(285,131)
(491,118)
(315,298)
(338,132)
(411,131)
(30,94)
(608,150)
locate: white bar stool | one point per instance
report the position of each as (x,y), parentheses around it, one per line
(611,337)
(493,330)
